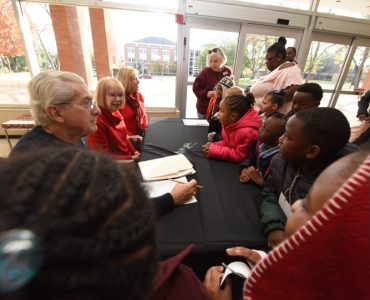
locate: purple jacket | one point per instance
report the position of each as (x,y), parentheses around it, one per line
(236,138)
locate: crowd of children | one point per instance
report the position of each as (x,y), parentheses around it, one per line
(283,154)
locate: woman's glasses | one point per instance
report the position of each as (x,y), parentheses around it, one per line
(269,58)
(212,50)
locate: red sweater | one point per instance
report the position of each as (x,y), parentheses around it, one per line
(205,82)
(111,136)
(129,115)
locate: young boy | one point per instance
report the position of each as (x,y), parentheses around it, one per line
(255,166)
(307,95)
(312,140)
(271,102)
(327,226)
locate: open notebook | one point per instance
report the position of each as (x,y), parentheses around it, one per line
(166,167)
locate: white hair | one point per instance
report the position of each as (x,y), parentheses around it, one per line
(50,88)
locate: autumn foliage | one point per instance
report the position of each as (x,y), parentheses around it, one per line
(10,40)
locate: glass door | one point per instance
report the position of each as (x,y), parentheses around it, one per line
(255,41)
(325,61)
(202,35)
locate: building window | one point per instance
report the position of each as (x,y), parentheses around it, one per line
(166,55)
(143,54)
(155,54)
(130,54)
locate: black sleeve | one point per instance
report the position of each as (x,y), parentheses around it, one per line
(363,104)
(163,203)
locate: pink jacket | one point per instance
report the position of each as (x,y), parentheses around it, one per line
(236,138)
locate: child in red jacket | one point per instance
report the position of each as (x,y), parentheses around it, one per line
(240,125)
(111,137)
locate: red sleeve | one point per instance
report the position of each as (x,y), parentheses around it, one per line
(234,154)
(98,141)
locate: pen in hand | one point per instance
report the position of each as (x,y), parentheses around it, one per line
(179,181)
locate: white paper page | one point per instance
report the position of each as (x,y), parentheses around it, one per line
(195,122)
(237,267)
(158,188)
(165,166)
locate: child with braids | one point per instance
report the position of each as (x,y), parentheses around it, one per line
(96,228)
(240,125)
(93,218)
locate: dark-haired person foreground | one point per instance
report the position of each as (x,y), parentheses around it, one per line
(96,243)
(326,251)
(65,112)
(313,139)
(283,75)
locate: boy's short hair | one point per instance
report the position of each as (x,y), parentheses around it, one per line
(312,88)
(326,127)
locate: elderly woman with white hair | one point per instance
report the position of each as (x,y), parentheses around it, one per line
(63,109)
(207,79)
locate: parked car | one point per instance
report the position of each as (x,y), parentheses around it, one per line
(145,76)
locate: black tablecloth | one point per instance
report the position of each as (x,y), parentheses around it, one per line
(227,211)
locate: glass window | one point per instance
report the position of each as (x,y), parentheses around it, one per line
(14,72)
(358,79)
(324,63)
(360,67)
(201,40)
(170,4)
(359,10)
(298,4)
(155,54)
(166,55)
(130,53)
(157,83)
(143,54)
(254,63)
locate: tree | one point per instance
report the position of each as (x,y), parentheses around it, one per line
(316,58)
(48,58)
(10,40)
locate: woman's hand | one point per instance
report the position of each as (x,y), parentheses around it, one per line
(212,284)
(182,192)
(210,94)
(136,138)
(136,156)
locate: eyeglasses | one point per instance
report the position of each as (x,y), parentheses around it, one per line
(120,95)
(212,50)
(90,105)
(269,59)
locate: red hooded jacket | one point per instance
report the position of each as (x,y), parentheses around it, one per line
(236,138)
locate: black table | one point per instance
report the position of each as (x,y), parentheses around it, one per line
(227,211)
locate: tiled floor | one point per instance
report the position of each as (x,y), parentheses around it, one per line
(4,146)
